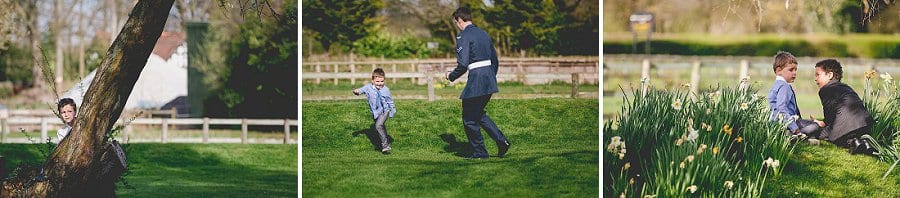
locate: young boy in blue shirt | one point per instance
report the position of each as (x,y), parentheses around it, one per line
(381,104)
(783,100)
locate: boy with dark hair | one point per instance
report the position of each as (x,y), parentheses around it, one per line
(846,116)
(381,104)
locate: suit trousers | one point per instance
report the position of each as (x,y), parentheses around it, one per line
(382,131)
(474,119)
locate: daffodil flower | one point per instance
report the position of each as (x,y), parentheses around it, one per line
(677,104)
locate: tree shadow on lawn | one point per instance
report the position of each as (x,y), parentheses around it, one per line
(181,171)
(372,134)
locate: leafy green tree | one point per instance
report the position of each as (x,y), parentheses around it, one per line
(341,22)
(261,82)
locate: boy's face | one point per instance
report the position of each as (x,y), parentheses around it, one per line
(378,81)
(788,72)
(822,77)
(68,113)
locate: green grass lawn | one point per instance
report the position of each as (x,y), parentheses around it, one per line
(554,151)
(404,87)
(194,170)
(830,171)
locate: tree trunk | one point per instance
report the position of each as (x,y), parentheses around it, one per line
(58,37)
(74,168)
(36,54)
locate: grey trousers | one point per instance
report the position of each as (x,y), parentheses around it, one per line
(382,131)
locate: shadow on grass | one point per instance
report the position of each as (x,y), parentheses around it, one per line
(372,134)
(830,171)
(182,170)
(460,149)
(189,170)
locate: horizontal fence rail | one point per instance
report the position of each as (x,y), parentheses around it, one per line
(650,67)
(46,123)
(426,71)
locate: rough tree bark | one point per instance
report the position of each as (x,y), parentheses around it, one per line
(74,168)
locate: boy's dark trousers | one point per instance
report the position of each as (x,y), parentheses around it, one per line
(382,131)
(475,118)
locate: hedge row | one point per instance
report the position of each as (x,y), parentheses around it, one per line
(851,46)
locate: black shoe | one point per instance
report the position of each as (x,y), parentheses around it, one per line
(472,157)
(502,147)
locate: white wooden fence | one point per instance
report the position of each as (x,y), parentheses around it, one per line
(527,70)
(164,123)
(853,67)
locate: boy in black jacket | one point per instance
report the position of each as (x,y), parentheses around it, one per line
(846,116)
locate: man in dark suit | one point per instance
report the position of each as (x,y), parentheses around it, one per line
(846,116)
(476,55)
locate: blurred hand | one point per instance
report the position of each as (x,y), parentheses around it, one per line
(821,124)
(356,91)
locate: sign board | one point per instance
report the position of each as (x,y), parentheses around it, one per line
(641,22)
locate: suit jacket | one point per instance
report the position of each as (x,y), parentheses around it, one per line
(474,45)
(844,110)
(782,100)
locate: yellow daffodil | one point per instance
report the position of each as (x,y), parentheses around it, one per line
(744,106)
(727,129)
(715,150)
(689,158)
(729,184)
(870,74)
(739,139)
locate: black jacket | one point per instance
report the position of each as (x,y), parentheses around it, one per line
(844,111)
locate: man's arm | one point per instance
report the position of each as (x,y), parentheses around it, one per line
(462,59)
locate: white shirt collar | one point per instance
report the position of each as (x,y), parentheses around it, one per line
(780,78)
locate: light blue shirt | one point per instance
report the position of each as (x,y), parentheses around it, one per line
(782,100)
(380,100)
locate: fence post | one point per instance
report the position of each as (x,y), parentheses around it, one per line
(287,131)
(165,130)
(574,85)
(520,73)
(695,79)
(335,70)
(645,76)
(394,70)
(415,68)
(318,69)
(744,75)
(244,131)
(205,130)
(430,86)
(4,123)
(43,129)
(352,69)
(127,130)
